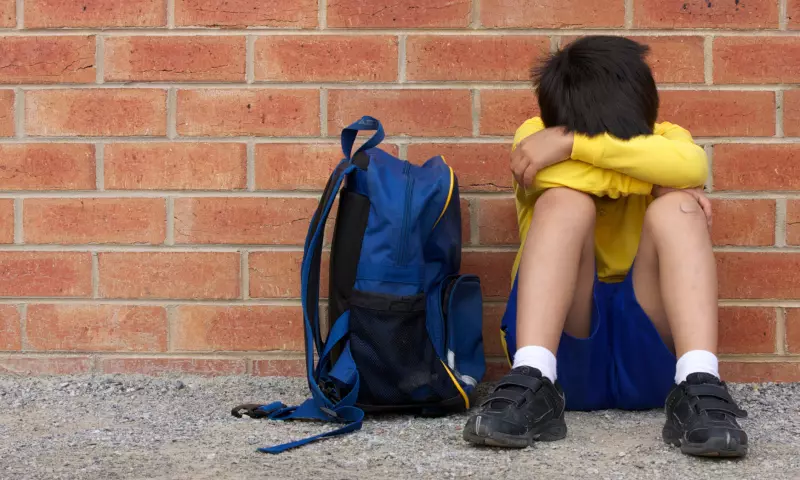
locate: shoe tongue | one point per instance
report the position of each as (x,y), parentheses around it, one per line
(528,371)
(701,378)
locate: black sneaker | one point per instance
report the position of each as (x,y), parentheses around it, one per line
(522,408)
(701,418)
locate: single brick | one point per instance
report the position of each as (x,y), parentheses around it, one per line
(47,59)
(743,222)
(260,112)
(676,59)
(793,222)
(552,13)
(95,220)
(8,13)
(186,275)
(7,127)
(492,317)
(7,220)
(751,167)
(95,13)
(10,329)
(754,60)
(277,274)
(243,220)
(154,366)
(480,167)
(181,59)
(30,365)
(741,14)
(791,113)
(47,166)
(758,275)
(793,330)
(431,113)
(758,372)
(96,328)
(246,13)
(45,274)
(175,166)
(471,58)
(746,330)
(392,14)
(279,368)
(494,268)
(96,112)
(239,328)
(720,113)
(326,58)
(503,111)
(497,222)
(793,14)
(302,166)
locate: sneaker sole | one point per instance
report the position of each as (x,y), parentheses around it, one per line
(713,447)
(549,431)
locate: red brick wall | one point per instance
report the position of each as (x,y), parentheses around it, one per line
(159,160)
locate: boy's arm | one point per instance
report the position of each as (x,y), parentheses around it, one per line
(668,158)
(577,175)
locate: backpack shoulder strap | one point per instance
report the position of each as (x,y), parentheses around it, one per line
(321,406)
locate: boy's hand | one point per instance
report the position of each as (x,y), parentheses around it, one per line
(540,150)
(698,193)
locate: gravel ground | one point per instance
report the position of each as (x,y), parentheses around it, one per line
(131,427)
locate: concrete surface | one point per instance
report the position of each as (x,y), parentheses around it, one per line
(133,427)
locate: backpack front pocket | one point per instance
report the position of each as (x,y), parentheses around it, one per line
(395,358)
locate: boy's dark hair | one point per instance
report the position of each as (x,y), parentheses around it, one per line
(598,84)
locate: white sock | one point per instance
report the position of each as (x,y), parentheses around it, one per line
(537,357)
(696,361)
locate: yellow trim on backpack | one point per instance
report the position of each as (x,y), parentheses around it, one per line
(458,385)
(505,346)
(449,194)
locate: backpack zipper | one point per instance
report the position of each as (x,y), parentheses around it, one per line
(406,210)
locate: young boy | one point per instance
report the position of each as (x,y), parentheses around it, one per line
(598,183)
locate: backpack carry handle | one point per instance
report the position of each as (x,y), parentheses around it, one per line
(349,134)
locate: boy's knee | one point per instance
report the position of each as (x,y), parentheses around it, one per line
(570,202)
(672,208)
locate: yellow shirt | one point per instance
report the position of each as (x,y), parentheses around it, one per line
(620,175)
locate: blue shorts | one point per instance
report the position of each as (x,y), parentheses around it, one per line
(623,364)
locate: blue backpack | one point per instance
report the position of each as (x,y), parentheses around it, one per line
(407,327)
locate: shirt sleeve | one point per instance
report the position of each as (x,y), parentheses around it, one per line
(669,157)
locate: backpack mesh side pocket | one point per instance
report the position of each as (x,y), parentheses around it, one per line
(395,358)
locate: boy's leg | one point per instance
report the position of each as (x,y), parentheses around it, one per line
(675,282)
(555,280)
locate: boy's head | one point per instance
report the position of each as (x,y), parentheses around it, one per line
(598,84)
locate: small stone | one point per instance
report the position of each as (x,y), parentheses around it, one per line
(178,385)
(622,454)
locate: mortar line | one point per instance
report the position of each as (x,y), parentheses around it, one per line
(19,234)
(20,14)
(154,302)
(628,14)
(95,275)
(779,109)
(780,222)
(251,166)
(401,58)
(555,43)
(22,309)
(170,14)
(783,18)
(474,213)
(19,113)
(244,266)
(323,112)
(99,57)
(250,59)
(476,112)
(99,166)
(709,149)
(402,150)
(172,117)
(708,60)
(237,355)
(780,330)
(475,20)
(170,233)
(322,14)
